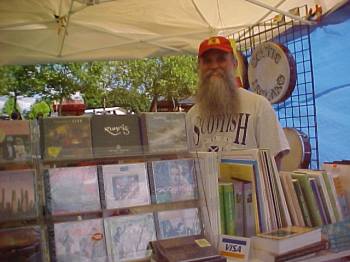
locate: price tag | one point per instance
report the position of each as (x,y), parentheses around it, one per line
(235,248)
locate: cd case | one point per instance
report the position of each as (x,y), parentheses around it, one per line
(21,244)
(17,195)
(173,180)
(164,132)
(78,241)
(178,223)
(125,185)
(128,236)
(15,142)
(72,190)
(66,138)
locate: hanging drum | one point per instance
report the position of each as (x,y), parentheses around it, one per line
(272,72)
(299,155)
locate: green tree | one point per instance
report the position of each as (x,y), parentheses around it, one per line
(97,79)
(172,77)
(39,109)
(132,84)
(10,106)
(17,81)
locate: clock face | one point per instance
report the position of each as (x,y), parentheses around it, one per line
(272,72)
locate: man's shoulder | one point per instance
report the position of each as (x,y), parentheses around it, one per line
(253,97)
(193,110)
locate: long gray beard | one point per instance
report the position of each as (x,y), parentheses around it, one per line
(217,95)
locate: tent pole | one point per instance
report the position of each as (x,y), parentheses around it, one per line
(64,32)
(258,3)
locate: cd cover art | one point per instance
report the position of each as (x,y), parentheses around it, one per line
(17,199)
(80,241)
(66,138)
(173,180)
(125,185)
(72,190)
(15,142)
(178,223)
(164,131)
(128,236)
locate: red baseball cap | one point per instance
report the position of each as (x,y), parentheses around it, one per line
(215,42)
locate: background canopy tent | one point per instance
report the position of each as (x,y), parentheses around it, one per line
(53,31)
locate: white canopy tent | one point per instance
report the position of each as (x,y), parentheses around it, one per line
(50,31)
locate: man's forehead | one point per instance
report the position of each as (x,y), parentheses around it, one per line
(214,52)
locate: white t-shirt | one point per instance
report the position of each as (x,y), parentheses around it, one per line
(256,126)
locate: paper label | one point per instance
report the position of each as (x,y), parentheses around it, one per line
(235,248)
(202,242)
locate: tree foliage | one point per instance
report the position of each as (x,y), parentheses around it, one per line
(38,109)
(10,106)
(131,84)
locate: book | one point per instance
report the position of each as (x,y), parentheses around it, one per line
(72,190)
(286,239)
(125,185)
(20,244)
(229,208)
(115,135)
(304,252)
(173,180)
(309,198)
(177,223)
(164,132)
(222,209)
(248,210)
(309,251)
(185,249)
(18,197)
(65,138)
(289,198)
(233,168)
(319,201)
(239,199)
(128,237)
(339,180)
(302,202)
(321,179)
(15,140)
(78,241)
(332,195)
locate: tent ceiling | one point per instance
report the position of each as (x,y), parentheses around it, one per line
(48,31)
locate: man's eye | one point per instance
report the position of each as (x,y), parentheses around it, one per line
(207,61)
(221,59)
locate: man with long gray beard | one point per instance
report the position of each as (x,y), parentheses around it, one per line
(226,117)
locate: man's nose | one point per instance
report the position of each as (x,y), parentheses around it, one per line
(214,64)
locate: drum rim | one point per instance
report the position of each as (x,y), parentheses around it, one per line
(306,146)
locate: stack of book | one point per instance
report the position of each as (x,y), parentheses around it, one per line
(339,173)
(255,178)
(312,197)
(288,243)
(338,235)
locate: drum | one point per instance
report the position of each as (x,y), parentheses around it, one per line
(272,72)
(299,155)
